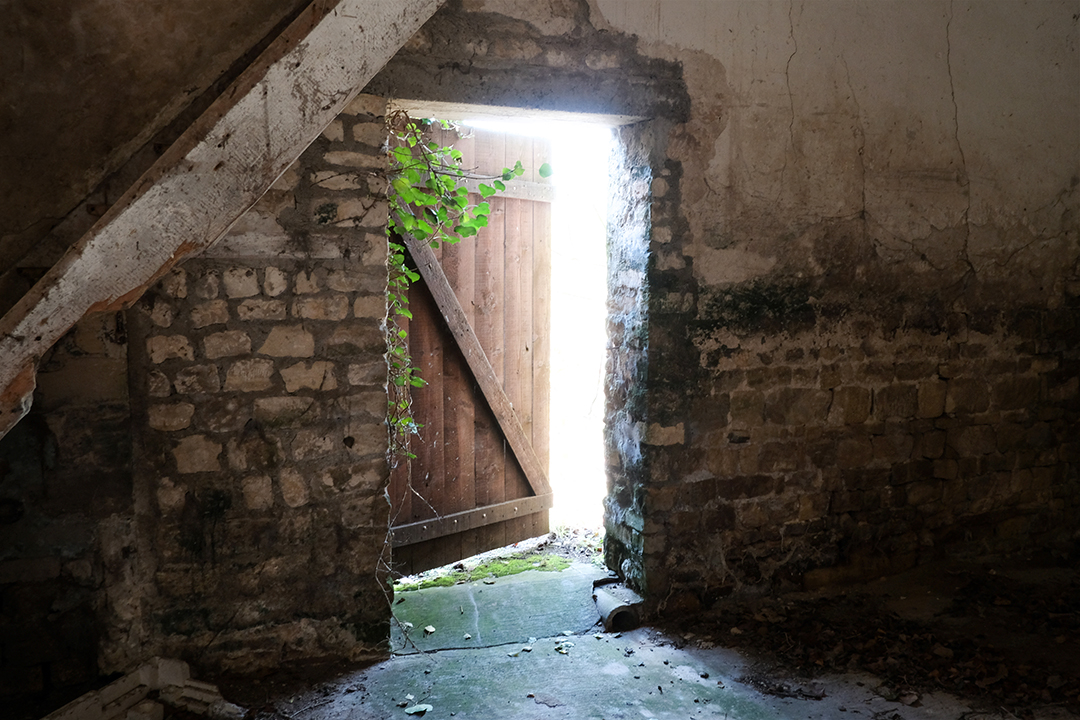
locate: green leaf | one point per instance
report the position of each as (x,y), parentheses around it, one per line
(486,191)
(499,185)
(545,170)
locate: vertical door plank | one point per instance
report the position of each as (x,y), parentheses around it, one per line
(458,412)
(490,445)
(426,346)
(541,332)
(400,497)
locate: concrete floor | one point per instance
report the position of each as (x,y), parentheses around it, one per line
(531,647)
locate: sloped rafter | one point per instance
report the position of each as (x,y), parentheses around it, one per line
(209,177)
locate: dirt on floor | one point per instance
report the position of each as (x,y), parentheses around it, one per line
(1003,633)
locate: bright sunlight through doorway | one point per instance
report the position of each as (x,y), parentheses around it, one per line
(578,312)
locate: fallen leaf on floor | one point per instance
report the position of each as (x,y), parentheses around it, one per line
(468,636)
(418,709)
(429,630)
(567,632)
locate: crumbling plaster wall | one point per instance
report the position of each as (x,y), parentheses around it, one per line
(863,320)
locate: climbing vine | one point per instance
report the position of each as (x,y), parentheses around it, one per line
(429,201)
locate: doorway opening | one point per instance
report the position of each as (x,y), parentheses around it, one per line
(576,312)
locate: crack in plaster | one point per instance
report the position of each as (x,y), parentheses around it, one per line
(861,150)
(791,95)
(959,147)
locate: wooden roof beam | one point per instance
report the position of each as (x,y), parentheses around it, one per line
(209,177)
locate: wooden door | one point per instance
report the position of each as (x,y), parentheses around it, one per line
(479,335)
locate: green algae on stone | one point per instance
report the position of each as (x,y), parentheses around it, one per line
(495,568)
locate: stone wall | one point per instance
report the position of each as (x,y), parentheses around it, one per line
(65,518)
(862,321)
(260,421)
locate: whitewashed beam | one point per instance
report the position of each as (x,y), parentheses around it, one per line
(213,174)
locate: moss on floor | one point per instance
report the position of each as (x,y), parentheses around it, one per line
(544,562)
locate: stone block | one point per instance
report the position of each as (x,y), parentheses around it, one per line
(1064,391)
(361,511)
(161,314)
(1016,392)
(850,405)
(797,406)
(349,158)
(778,457)
(946,469)
(931,398)
(922,492)
(170,496)
(356,338)
(895,401)
(198,379)
(319,375)
(322,307)
(309,444)
(289,341)
(197,453)
(353,212)
(1045,363)
(337,180)
(335,131)
(275,281)
(258,492)
(967,395)
(169,418)
(158,384)
(972,440)
(223,414)
(932,444)
(175,283)
(365,104)
(344,280)
(294,489)
(278,411)
(166,347)
(365,438)
(241,282)
(256,309)
(373,134)
(249,375)
(370,373)
(747,408)
(206,286)
(307,282)
(657,434)
(893,447)
(854,452)
(214,312)
(253,452)
(226,344)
